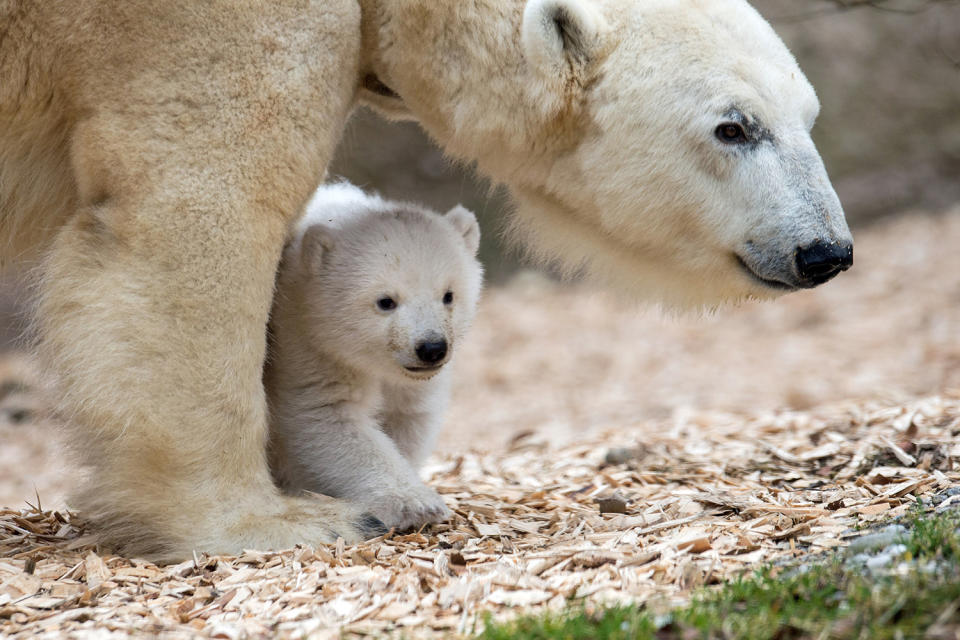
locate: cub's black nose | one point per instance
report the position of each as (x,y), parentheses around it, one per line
(821,261)
(432,352)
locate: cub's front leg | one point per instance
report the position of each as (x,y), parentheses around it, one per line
(412,415)
(348,456)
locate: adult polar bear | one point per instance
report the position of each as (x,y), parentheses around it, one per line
(154,155)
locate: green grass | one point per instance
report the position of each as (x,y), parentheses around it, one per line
(825,599)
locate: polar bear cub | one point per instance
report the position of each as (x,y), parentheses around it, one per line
(372,298)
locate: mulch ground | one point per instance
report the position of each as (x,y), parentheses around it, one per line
(591,452)
(701,498)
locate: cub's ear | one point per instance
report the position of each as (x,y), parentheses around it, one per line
(465,222)
(557,33)
(314,243)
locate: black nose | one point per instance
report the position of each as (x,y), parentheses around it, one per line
(821,261)
(432,352)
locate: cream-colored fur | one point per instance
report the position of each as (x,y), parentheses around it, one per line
(154,156)
(159,152)
(354,410)
(600,115)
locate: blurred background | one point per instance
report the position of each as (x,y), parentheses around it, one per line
(557,359)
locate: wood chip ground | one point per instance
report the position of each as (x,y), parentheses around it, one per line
(706,497)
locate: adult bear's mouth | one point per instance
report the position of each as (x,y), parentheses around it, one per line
(767,282)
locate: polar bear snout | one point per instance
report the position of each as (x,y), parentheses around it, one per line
(807,265)
(821,261)
(432,352)
(427,355)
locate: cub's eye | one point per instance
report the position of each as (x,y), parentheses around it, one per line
(731,133)
(386,303)
(448,297)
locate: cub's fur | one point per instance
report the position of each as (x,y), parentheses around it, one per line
(372,299)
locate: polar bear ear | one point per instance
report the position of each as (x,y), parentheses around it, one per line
(465,222)
(316,241)
(559,32)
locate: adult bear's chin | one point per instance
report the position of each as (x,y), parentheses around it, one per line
(701,279)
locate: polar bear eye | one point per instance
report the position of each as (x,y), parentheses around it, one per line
(731,133)
(448,297)
(386,303)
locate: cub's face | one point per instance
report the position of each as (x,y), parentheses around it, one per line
(394,293)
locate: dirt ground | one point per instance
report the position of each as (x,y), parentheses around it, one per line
(563,363)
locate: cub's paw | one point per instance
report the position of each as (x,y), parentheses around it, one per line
(410,508)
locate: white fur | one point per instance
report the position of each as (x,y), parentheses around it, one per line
(349,418)
(602,122)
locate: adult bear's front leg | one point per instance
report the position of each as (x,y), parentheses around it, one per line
(152,313)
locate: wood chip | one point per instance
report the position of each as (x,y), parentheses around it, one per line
(488,529)
(612,504)
(874,509)
(905,458)
(532,528)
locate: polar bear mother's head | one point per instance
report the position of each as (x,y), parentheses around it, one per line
(662,145)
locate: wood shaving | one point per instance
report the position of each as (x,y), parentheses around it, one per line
(712,496)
